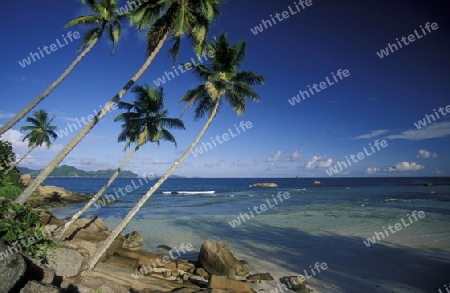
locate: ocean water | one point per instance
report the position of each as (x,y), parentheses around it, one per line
(301,224)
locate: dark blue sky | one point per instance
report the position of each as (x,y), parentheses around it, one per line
(380,99)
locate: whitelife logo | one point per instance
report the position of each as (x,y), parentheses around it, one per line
(53,47)
(323,85)
(207,146)
(435,117)
(411,38)
(265,24)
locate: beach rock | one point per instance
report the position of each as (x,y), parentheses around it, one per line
(202,273)
(123,262)
(296,283)
(265,184)
(90,284)
(36,287)
(144,257)
(222,282)
(12,267)
(164,247)
(66,262)
(48,219)
(125,278)
(26,179)
(185,266)
(116,245)
(216,258)
(187,290)
(260,277)
(87,229)
(88,246)
(133,241)
(198,281)
(48,190)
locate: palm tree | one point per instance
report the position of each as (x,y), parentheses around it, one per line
(145,121)
(105,18)
(39,133)
(167,18)
(221,80)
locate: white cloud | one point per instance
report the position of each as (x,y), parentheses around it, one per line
(325,163)
(273,159)
(15,138)
(424,154)
(7,115)
(295,156)
(372,170)
(406,166)
(375,170)
(435,130)
(374,133)
(318,162)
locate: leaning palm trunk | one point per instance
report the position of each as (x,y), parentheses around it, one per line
(97,196)
(108,241)
(20,160)
(37,100)
(87,128)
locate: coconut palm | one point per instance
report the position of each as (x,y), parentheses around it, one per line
(166,18)
(145,121)
(105,18)
(222,80)
(40,132)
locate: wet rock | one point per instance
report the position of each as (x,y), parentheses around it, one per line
(296,283)
(133,241)
(260,277)
(164,247)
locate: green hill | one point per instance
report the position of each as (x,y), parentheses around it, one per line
(70,171)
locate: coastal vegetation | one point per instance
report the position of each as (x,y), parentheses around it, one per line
(39,132)
(10,186)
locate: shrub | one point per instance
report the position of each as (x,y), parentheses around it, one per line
(20,226)
(10,192)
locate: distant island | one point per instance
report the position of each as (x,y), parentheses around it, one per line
(70,171)
(66,171)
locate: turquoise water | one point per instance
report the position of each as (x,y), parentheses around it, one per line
(316,223)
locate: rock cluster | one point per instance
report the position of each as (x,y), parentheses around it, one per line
(125,267)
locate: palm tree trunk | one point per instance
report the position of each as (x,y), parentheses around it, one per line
(97,196)
(42,96)
(87,128)
(108,241)
(20,160)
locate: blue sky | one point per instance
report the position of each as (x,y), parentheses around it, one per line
(380,99)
